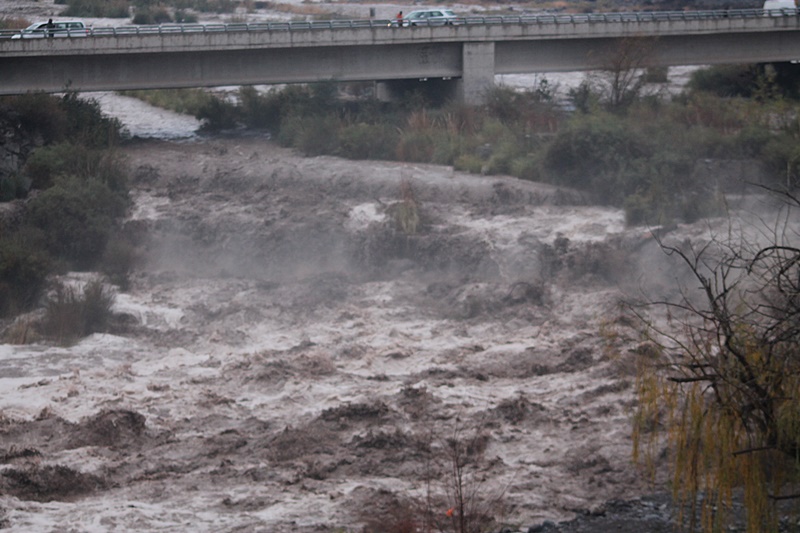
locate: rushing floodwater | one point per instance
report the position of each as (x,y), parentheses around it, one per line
(283,388)
(146,121)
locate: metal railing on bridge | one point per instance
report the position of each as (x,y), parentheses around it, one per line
(531,19)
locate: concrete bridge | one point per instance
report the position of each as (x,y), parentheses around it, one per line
(467,55)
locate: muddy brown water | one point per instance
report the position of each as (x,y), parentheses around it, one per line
(288,358)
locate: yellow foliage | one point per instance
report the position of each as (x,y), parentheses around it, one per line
(406,212)
(715,445)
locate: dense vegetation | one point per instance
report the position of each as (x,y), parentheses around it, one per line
(75,191)
(621,146)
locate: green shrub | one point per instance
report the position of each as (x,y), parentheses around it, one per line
(596,153)
(499,146)
(151,15)
(97,303)
(645,208)
(762,82)
(119,258)
(527,167)
(13,186)
(39,116)
(503,156)
(217,115)
(584,98)
(183,17)
(405,212)
(367,141)
(317,135)
(48,163)
(160,15)
(289,131)
(781,155)
(751,141)
(787,78)
(96,8)
(143,18)
(186,101)
(84,193)
(724,80)
(415,145)
(24,266)
(469,163)
(261,111)
(214,6)
(656,75)
(324,94)
(447,147)
(502,103)
(71,314)
(86,123)
(77,218)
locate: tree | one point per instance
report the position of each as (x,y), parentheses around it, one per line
(723,382)
(623,66)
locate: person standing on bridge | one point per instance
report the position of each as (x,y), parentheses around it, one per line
(399,18)
(50,27)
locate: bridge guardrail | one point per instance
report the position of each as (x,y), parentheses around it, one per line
(530,19)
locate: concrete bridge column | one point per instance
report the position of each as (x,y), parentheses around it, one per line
(477,78)
(478,72)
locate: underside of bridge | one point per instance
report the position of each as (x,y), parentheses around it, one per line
(477,66)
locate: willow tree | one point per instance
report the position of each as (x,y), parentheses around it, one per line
(721,389)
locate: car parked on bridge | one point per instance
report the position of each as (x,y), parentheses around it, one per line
(60,28)
(774,5)
(429,17)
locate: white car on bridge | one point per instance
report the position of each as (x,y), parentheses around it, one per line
(429,17)
(60,28)
(779,4)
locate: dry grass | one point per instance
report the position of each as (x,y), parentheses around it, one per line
(406,212)
(71,313)
(21,332)
(13,23)
(311,10)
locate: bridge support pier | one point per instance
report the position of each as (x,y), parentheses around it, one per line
(476,80)
(478,72)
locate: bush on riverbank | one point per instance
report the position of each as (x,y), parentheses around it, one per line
(642,158)
(765,81)
(71,191)
(73,312)
(96,8)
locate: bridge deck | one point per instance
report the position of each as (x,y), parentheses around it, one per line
(473,50)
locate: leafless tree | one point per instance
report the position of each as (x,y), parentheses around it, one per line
(725,385)
(623,66)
